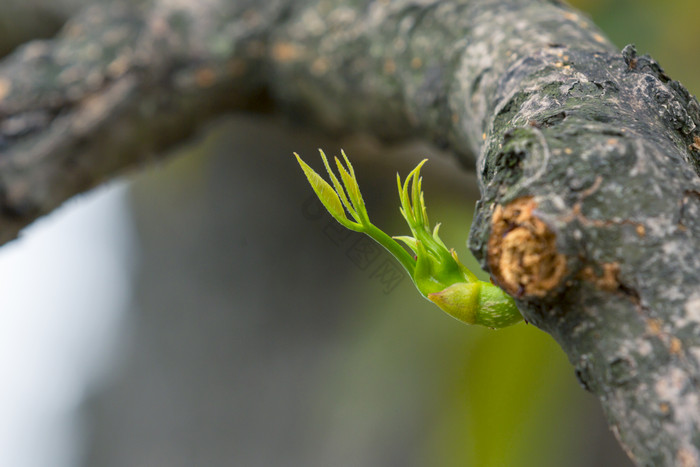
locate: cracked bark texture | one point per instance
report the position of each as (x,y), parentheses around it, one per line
(587,157)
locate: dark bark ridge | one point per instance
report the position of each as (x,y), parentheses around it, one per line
(588,157)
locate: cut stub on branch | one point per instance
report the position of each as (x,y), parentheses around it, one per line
(523,256)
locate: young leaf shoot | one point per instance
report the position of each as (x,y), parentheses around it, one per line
(435,270)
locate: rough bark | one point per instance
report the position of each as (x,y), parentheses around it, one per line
(119,84)
(588,156)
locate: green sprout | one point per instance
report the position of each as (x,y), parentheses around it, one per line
(435,270)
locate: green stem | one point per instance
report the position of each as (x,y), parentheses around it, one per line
(393,247)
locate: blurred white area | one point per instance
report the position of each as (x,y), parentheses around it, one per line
(64,290)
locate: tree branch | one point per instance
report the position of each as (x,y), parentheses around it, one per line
(589,158)
(118,85)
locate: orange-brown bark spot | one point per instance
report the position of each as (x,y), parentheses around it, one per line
(654,326)
(675,346)
(696,143)
(523,257)
(285,52)
(599,38)
(607,280)
(687,458)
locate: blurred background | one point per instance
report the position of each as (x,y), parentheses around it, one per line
(207,312)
